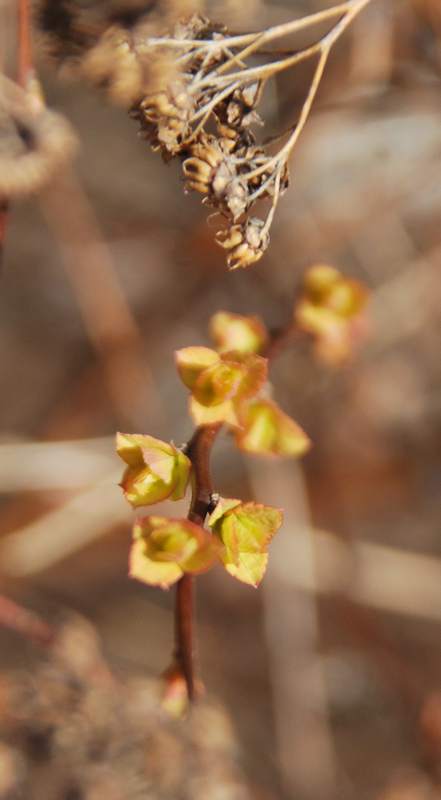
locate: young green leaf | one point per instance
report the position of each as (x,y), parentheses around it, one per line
(155,471)
(164,549)
(267,430)
(233,332)
(245,529)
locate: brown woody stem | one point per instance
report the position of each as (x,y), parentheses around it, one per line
(25,622)
(24,72)
(3,226)
(198,451)
(25,68)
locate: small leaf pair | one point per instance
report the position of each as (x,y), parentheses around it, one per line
(226,385)
(163,550)
(331,310)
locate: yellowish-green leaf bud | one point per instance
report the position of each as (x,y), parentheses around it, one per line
(331,310)
(192,361)
(155,471)
(233,332)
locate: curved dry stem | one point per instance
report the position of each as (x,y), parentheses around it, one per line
(323,48)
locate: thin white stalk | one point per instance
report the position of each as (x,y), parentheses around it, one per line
(276,32)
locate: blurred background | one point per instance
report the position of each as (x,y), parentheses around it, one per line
(331,672)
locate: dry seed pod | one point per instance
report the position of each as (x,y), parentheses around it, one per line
(236,198)
(164,117)
(205,160)
(237,113)
(250,94)
(229,135)
(246,242)
(212,171)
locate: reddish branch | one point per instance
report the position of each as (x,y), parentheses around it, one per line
(24,73)
(3,221)
(24,67)
(198,451)
(25,622)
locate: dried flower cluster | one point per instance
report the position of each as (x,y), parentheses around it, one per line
(195,90)
(210,128)
(34,141)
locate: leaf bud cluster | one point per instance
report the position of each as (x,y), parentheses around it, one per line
(331,310)
(227,386)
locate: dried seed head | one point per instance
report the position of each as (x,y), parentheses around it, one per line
(114,64)
(185,14)
(236,113)
(160,67)
(196,27)
(207,148)
(246,242)
(34,143)
(200,168)
(250,95)
(212,171)
(236,198)
(230,136)
(165,117)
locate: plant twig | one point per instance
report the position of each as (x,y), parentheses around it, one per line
(275,32)
(4,207)
(198,451)
(24,73)
(24,67)
(322,48)
(25,622)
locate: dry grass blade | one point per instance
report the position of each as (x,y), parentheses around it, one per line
(108,320)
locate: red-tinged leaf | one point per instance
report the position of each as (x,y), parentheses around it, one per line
(255,374)
(267,430)
(245,530)
(249,568)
